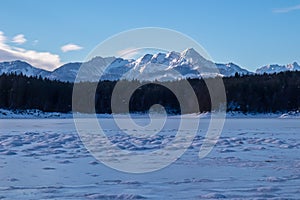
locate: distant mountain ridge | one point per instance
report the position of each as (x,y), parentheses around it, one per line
(161,66)
(275,68)
(19,67)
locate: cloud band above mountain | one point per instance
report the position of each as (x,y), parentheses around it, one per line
(43,60)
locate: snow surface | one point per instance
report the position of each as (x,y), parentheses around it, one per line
(37,114)
(255,158)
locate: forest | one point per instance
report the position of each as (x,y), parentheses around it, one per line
(267,93)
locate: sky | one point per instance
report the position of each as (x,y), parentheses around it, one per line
(251,34)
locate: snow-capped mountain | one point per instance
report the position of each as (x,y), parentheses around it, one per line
(269,69)
(168,66)
(68,72)
(160,66)
(230,69)
(20,67)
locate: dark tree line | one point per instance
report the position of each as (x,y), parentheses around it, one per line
(264,93)
(250,93)
(21,92)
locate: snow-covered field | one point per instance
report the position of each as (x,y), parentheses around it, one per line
(255,158)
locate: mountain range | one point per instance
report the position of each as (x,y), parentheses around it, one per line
(161,66)
(269,69)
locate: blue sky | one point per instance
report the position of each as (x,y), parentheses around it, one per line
(249,33)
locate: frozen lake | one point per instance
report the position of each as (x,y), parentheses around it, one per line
(255,158)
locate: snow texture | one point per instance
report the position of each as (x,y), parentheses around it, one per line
(255,158)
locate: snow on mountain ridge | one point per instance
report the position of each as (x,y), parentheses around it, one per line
(160,66)
(230,69)
(275,68)
(20,67)
(192,56)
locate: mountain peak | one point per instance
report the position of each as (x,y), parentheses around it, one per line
(144,59)
(20,67)
(190,52)
(100,58)
(295,63)
(173,55)
(17,62)
(159,57)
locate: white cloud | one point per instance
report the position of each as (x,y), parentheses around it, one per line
(19,39)
(286,10)
(129,53)
(43,60)
(70,47)
(35,42)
